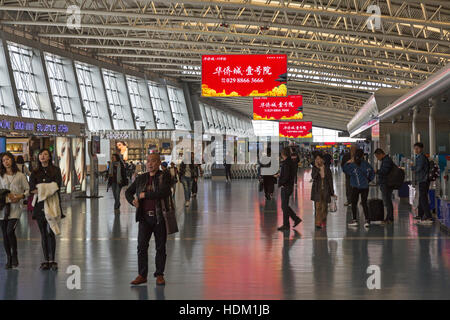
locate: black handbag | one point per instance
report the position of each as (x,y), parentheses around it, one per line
(169,216)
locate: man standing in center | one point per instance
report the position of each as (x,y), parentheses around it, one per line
(288,173)
(147,193)
(348,188)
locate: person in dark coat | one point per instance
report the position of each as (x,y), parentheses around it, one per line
(288,173)
(189,173)
(421,170)
(148,194)
(328,159)
(46,172)
(296,159)
(117,179)
(348,188)
(269,181)
(386,166)
(322,190)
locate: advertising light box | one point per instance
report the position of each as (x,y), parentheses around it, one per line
(278,108)
(296,129)
(244,75)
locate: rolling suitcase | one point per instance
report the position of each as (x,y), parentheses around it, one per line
(376,210)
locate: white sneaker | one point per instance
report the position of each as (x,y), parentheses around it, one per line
(187,204)
(367,224)
(354,223)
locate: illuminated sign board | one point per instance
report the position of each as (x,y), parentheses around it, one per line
(244,75)
(295,129)
(20,125)
(278,108)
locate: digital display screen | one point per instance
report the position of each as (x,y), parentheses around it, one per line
(295,129)
(244,75)
(278,108)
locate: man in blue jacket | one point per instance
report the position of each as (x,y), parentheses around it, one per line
(361,173)
(421,169)
(386,192)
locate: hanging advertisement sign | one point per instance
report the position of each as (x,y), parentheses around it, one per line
(122,149)
(295,129)
(244,75)
(63,156)
(278,108)
(376,131)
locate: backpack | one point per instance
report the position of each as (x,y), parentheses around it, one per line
(396,177)
(433,171)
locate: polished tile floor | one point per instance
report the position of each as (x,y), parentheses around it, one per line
(228,248)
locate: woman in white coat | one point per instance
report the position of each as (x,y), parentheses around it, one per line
(16,182)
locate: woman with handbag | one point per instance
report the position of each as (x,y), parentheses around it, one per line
(45,173)
(361,173)
(15,181)
(117,179)
(322,190)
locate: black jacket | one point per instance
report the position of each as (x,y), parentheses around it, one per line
(161,191)
(345,158)
(123,173)
(194,170)
(328,159)
(316,186)
(288,173)
(45,175)
(385,168)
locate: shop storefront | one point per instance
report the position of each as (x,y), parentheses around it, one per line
(24,137)
(133,146)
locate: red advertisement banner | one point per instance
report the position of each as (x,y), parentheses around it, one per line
(278,108)
(295,129)
(376,131)
(244,75)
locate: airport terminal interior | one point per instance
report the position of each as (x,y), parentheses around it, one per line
(242,137)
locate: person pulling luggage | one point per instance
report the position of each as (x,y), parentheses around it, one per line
(421,169)
(386,166)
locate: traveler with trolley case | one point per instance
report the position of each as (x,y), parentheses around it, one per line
(390,178)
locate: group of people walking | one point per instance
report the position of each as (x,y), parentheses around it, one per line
(44,183)
(150,193)
(187,174)
(359,175)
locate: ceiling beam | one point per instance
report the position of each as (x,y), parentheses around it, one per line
(305,10)
(233,22)
(249,36)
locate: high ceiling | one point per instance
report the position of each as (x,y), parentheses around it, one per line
(336,60)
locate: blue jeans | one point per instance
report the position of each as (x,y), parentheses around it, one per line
(187,184)
(386,193)
(116,193)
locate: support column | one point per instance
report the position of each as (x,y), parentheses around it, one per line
(11,75)
(48,87)
(432,126)
(189,106)
(77,83)
(414,130)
